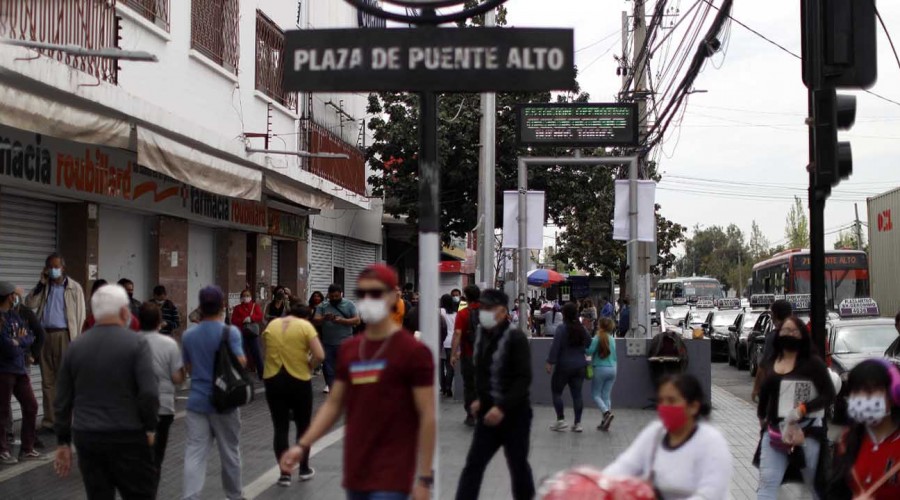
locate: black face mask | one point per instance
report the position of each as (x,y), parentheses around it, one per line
(335,302)
(787,343)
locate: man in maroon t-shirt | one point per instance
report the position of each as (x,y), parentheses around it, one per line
(385,382)
(463,348)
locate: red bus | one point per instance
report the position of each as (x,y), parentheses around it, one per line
(846,274)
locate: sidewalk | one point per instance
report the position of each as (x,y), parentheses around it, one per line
(550,452)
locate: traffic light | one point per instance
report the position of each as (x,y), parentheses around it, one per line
(834,159)
(845,49)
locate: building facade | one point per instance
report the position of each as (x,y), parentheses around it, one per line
(186,171)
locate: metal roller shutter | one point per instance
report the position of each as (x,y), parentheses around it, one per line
(358,255)
(27,237)
(275,276)
(321,262)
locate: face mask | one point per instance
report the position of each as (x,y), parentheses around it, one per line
(245,300)
(867,409)
(56,273)
(487,319)
(672,417)
(16,301)
(335,302)
(372,311)
(456,300)
(787,343)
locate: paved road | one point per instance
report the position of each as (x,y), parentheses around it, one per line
(737,382)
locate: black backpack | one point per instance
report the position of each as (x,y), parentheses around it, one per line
(231,383)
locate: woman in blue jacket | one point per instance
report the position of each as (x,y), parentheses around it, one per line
(567,362)
(603,359)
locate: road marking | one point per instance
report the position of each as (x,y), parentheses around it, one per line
(268,478)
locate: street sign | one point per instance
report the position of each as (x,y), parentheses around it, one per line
(799,301)
(856,308)
(578,124)
(429,59)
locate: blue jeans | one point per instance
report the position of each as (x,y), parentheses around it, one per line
(774,463)
(601,386)
(376,495)
(330,364)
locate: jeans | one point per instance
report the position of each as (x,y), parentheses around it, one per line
(252,350)
(774,463)
(376,495)
(162,439)
(126,467)
(513,434)
(601,386)
(288,397)
(202,429)
(18,385)
(446,373)
(329,366)
(467,368)
(575,380)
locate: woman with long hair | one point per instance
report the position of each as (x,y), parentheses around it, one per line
(794,393)
(681,454)
(567,363)
(603,360)
(449,308)
(247,316)
(867,457)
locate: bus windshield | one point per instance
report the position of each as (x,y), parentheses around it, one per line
(693,289)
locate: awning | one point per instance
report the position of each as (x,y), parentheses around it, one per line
(196,168)
(289,190)
(47,116)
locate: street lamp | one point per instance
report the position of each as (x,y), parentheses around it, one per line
(76,50)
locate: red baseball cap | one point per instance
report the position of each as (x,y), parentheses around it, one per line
(381,272)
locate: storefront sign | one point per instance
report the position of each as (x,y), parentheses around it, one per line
(580,124)
(287,225)
(112,176)
(439,59)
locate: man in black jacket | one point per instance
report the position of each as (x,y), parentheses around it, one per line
(107,398)
(503,405)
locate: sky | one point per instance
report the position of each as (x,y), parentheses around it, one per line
(741,151)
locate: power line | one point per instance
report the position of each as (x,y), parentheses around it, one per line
(605,38)
(886,32)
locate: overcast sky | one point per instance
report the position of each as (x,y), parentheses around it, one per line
(745,137)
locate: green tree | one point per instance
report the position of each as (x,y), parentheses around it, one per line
(758,247)
(847,241)
(796,229)
(720,253)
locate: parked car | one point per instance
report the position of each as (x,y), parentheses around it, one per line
(716,328)
(756,340)
(738,333)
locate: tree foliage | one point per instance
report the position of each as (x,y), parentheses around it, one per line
(847,241)
(720,253)
(796,228)
(758,247)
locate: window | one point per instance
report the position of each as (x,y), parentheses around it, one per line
(339,277)
(270,62)
(155,11)
(214,31)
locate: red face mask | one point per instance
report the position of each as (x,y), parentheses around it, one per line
(672,417)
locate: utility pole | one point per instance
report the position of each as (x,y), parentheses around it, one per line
(486,179)
(859,245)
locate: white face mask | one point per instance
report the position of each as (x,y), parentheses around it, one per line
(487,319)
(245,300)
(372,310)
(868,409)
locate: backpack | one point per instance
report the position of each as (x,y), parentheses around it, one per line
(474,323)
(231,383)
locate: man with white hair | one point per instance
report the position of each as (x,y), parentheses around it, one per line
(106,402)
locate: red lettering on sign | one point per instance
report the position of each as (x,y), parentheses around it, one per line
(884,221)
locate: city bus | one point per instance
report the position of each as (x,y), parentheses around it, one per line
(788,272)
(690,289)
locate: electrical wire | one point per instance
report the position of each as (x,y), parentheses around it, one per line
(605,38)
(886,32)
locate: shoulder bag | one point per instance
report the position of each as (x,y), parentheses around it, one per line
(231,384)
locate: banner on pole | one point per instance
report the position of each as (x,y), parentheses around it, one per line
(646,194)
(535,212)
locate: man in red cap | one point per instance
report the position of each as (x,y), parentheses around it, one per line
(385,382)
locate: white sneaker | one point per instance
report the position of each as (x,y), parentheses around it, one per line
(326,390)
(559,426)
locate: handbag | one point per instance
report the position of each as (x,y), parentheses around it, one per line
(231,383)
(251,329)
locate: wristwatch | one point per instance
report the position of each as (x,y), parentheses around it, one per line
(427,481)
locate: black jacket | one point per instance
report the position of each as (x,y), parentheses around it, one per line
(503,368)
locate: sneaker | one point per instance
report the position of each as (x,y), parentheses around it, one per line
(11,439)
(559,426)
(326,390)
(469,421)
(577,428)
(607,421)
(30,455)
(7,459)
(307,474)
(284,480)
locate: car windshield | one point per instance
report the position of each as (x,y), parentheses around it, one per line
(750,319)
(724,318)
(676,313)
(864,338)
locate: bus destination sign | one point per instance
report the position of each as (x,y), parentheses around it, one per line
(578,124)
(835,261)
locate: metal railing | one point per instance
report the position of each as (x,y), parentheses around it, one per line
(350,174)
(91,24)
(270,62)
(214,31)
(155,11)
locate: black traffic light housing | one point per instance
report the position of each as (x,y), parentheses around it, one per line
(848,50)
(834,160)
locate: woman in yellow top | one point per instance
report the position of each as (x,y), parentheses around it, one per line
(293,351)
